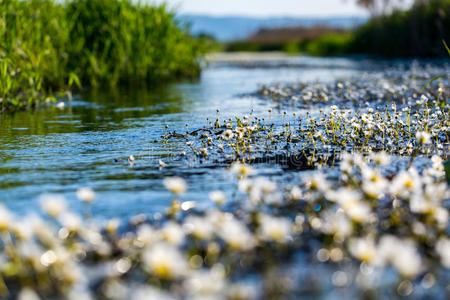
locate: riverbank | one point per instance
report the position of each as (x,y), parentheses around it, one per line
(48,47)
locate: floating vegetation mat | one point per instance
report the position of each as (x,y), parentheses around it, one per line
(401,85)
(303,142)
(369,219)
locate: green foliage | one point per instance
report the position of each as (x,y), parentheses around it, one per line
(292,47)
(417,32)
(446,47)
(329,45)
(50,45)
(326,45)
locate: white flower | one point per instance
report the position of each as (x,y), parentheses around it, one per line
(53,205)
(359,212)
(265,185)
(317,182)
(381,158)
(401,254)
(41,229)
(372,189)
(146,235)
(217,196)
(5,218)
(345,196)
(162,164)
(86,195)
(164,261)
(404,183)
(423,137)
(112,225)
(206,283)
(242,169)
(296,193)
(236,235)
(336,223)
(373,184)
(27,293)
(71,221)
(260,190)
(203,152)
(436,159)
(227,134)
(199,227)
(363,249)
(418,204)
(441,216)
(350,201)
(276,229)
(443,249)
(22,230)
(173,233)
(176,185)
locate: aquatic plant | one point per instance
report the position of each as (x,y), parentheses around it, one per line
(366,216)
(360,225)
(419,127)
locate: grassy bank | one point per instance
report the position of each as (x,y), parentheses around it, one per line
(48,46)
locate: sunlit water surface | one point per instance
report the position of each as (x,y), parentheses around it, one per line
(87,143)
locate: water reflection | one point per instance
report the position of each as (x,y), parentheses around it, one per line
(94,110)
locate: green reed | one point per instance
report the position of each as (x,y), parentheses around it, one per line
(48,46)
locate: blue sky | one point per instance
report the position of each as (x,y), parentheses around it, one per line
(268,7)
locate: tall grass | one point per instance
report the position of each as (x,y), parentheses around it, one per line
(48,45)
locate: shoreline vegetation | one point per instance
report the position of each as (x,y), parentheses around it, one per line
(49,47)
(417,32)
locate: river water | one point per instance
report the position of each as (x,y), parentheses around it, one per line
(87,143)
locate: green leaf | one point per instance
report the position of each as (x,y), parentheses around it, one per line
(431,81)
(446,47)
(239,123)
(73,78)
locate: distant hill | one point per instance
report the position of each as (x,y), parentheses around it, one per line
(294,33)
(229,28)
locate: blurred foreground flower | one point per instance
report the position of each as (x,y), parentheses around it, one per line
(86,195)
(176,185)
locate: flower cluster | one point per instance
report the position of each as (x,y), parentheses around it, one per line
(416,129)
(368,213)
(392,85)
(363,222)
